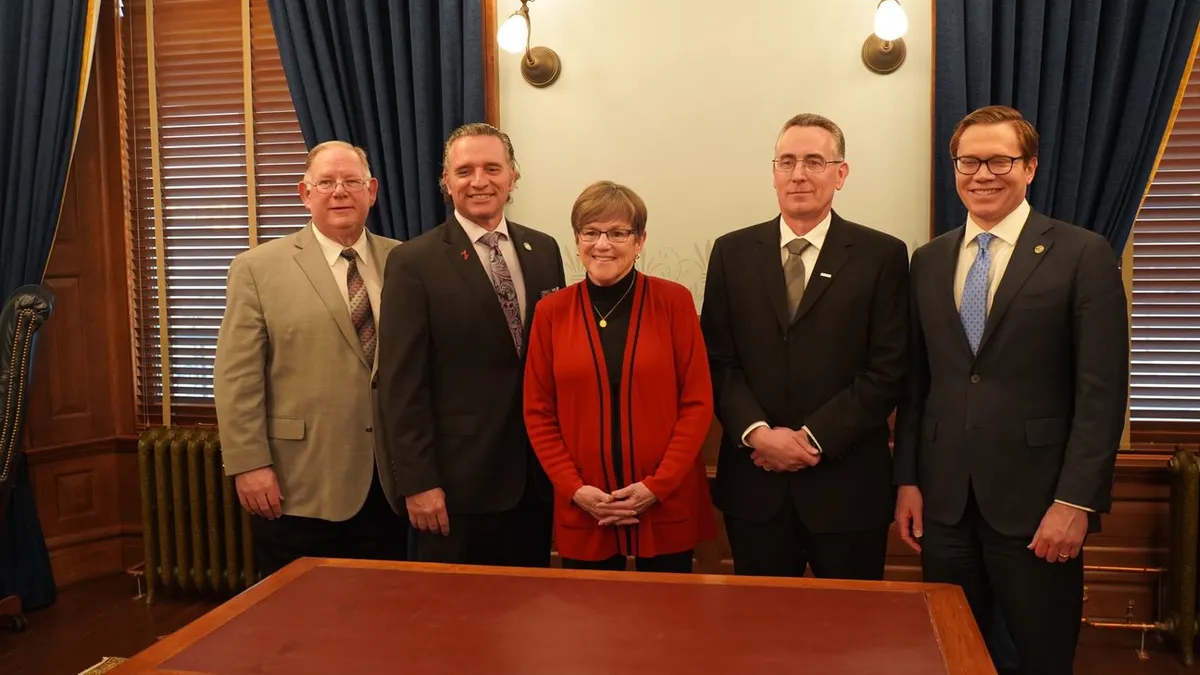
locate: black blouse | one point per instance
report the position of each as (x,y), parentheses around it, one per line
(615,304)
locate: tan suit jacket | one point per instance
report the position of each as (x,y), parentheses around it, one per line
(293,388)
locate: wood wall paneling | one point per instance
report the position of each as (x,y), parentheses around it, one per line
(81,397)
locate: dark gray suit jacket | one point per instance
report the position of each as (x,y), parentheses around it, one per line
(450,378)
(1038,414)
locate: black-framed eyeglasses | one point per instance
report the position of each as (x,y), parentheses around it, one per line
(811,163)
(328,185)
(998,165)
(614,236)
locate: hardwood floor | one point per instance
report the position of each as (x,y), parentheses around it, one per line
(100,618)
(91,620)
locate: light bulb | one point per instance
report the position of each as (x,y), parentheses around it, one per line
(513,35)
(890,21)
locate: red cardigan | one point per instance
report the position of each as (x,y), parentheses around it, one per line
(667,408)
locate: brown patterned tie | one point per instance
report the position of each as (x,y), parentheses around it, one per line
(360,306)
(503,283)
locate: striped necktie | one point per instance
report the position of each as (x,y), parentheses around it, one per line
(360,306)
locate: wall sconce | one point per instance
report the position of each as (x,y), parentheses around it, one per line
(540,65)
(884,51)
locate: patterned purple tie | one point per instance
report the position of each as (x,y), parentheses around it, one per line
(503,283)
(360,306)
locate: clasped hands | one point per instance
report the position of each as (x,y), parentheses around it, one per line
(782,449)
(621,507)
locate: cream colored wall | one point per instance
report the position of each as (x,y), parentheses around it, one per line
(682,101)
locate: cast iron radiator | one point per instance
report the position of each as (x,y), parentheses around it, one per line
(196,535)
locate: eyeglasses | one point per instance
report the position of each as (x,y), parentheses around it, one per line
(614,236)
(999,165)
(328,185)
(812,163)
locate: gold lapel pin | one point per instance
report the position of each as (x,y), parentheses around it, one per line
(1039,248)
(528,247)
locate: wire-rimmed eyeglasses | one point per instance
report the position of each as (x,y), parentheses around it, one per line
(811,163)
(328,185)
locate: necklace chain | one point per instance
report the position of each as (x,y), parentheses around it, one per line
(604,317)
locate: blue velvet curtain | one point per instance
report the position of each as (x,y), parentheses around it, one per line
(394,78)
(41,55)
(1097,79)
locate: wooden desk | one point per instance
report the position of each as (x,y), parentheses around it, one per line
(335,616)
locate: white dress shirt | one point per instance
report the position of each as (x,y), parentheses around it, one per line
(816,240)
(507,249)
(340,268)
(1007,231)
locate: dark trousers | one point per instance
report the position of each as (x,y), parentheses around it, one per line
(374,533)
(784,547)
(1008,586)
(518,537)
(680,563)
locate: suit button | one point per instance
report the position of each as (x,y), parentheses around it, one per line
(368,430)
(374,385)
(974,379)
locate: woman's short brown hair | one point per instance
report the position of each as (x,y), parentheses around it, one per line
(605,200)
(1027,136)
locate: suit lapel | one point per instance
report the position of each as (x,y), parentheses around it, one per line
(768,259)
(463,257)
(946,265)
(1033,244)
(379,253)
(312,262)
(835,253)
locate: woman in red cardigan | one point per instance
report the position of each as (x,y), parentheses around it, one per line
(618,400)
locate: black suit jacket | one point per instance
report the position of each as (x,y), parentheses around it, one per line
(838,369)
(450,377)
(1037,414)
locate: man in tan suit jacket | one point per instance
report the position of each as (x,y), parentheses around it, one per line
(294,378)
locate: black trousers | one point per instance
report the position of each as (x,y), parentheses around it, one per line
(784,547)
(374,533)
(518,537)
(680,563)
(1008,587)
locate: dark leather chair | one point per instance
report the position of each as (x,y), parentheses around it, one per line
(20,318)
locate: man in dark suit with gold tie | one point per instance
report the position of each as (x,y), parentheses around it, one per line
(1007,435)
(456,309)
(804,318)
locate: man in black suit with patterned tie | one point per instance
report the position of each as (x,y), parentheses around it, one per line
(1007,435)
(456,309)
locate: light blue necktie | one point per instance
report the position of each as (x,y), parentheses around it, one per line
(975,292)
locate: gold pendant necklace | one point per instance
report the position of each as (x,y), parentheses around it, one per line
(604,317)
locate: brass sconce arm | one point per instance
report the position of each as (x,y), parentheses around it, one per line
(540,66)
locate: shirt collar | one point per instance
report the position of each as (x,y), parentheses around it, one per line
(815,236)
(474,231)
(333,250)
(1008,230)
